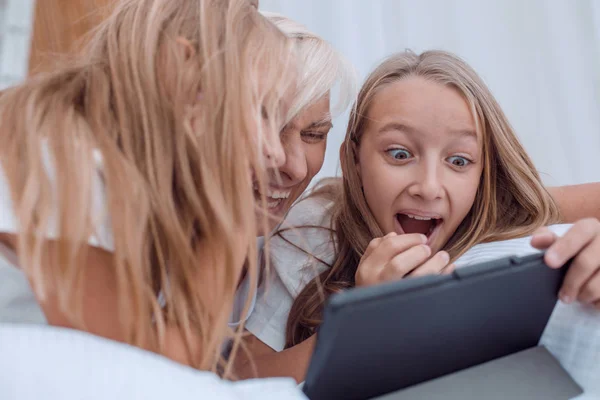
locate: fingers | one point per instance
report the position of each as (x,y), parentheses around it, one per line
(590,292)
(392,245)
(572,243)
(434,266)
(375,243)
(403,263)
(581,282)
(543,238)
(449,269)
(380,252)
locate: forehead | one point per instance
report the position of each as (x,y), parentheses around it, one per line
(423,104)
(315,111)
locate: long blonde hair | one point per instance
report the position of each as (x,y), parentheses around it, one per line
(172,95)
(511,200)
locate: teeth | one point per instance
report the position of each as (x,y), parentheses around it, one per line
(273,204)
(278,194)
(274,197)
(419,218)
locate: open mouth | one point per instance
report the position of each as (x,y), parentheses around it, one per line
(274,197)
(410,223)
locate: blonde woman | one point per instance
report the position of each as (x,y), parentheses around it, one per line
(129,172)
(326,77)
(431,167)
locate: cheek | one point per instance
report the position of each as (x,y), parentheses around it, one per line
(463,194)
(382,184)
(315,156)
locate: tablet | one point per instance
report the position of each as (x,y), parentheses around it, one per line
(383,338)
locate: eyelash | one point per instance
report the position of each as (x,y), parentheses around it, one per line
(389,152)
(467,162)
(313,137)
(410,155)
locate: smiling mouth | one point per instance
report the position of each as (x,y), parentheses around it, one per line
(427,226)
(274,197)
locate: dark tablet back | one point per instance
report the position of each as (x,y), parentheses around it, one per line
(383,338)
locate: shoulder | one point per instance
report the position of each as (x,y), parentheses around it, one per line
(305,233)
(310,211)
(304,244)
(298,251)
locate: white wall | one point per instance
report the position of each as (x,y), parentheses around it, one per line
(541,58)
(16,17)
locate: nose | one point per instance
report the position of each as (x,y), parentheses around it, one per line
(273,153)
(295,168)
(428,183)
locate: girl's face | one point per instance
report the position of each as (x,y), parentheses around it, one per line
(420,159)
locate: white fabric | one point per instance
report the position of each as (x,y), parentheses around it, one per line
(102,235)
(572,334)
(540,58)
(40,362)
(291,268)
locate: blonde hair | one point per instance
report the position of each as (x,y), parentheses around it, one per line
(321,67)
(511,200)
(170,93)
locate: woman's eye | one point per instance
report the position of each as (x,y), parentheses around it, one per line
(459,161)
(399,154)
(313,137)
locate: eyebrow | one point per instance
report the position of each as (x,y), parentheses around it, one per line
(323,123)
(396,126)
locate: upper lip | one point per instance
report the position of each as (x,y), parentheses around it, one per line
(420,213)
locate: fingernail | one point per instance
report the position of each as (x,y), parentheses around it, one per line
(423,238)
(445,256)
(566,299)
(427,249)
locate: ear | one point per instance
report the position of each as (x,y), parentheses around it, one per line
(186,47)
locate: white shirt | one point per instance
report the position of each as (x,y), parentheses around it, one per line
(572,334)
(42,362)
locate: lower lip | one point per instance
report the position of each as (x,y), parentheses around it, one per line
(430,238)
(274,206)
